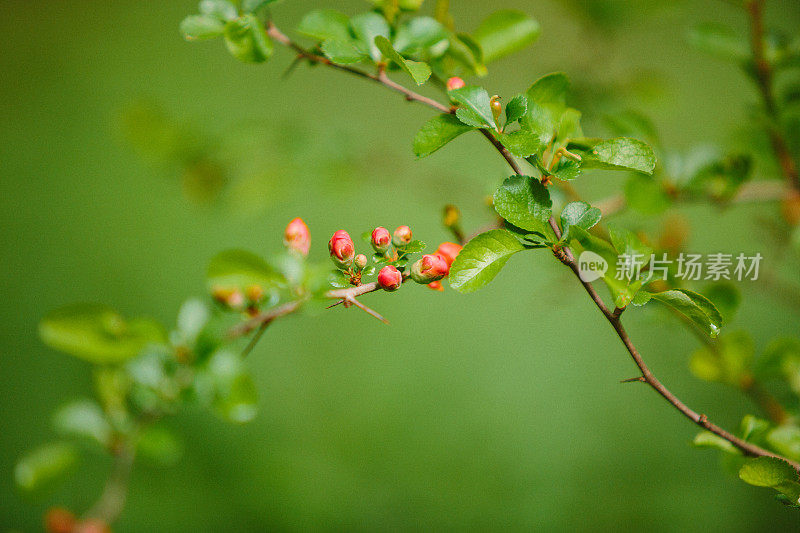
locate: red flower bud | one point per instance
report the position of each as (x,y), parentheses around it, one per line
(59,520)
(436,285)
(360,261)
(381,240)
(342,249)
(429,268)
(389,278)
(448,251)
(296,237)
(401,236)
(454,83)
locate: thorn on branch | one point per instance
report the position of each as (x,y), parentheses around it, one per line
(368,310)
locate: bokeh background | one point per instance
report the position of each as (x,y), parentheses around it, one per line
(498,410)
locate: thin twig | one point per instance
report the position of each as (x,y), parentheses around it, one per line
(112,500)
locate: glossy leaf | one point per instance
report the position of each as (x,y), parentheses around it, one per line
(505,32)
(521,143)
(437,132)
(481,259)
(578,214)
(97,333)
(44,465)
(767,472)
(83,418)
(516,108)
(621,153)
(474,107)
(368,26)
(240,269)
(524,202)
(246,39)
(324,24)
(342,52)
(695,306)
(419,72)
(200,27)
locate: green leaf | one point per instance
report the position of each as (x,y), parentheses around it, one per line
(44,465)
(437,132)
(324,24)
(254,6)
(628,243)
(695,306)
(567,169)
(524,202)
(239,402)
(646,195)
(753,428)
(767,472)
(246,39)
(240,269)
(621,153)
(192,318)
(516,108)
(728,361)
(97,334)
(481,259)
(342,52)
(419,72)
(520,143)
(474,107)
(725,296)
(464,51)
(505,32)
(546,103)
(83,418)
(781,359)
(200,27)
(222,9)
(578,214)
(785,440)
(720,41)
(419,33)
(706,439)
(160,445)
(366,27)
(599,260)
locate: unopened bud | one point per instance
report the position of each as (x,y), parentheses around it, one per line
(389,278)
(401,236)
(297,237)
(59,520)
(342,249)
(255,293)
(360,261)
(448,251)
(381,240)
(429,268)
(454,83)
(497,108)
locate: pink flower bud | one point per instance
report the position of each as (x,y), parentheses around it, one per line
(389,278)
(381,240)
(401,236)
(448,251)
(296,237)
(342,249)
(454,83)
(429,268)
(360,261)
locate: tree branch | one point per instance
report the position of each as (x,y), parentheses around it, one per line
(112,500)
(563,253)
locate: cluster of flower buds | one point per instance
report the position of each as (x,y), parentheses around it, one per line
(60,520)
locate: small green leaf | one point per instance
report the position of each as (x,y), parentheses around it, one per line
(437,132)
(200,27)
(516,108)
(419,34)
(246,39)
(521,143)
(254,6)
(706,439)
(342,52)
(785,440)
(481,259)
(97,334)
(83,418)
(525,203)
(550,89)
(628,243)
(578,214)
(505,32)
(728,361)
(598,260)
(567,169)
(720,41)
(695,306)
(753,428)
(324,24)
(44,465)
(474,107)
(222,9)
(240,269)
(767,472)
(621,153)
(366,27)
(419,72)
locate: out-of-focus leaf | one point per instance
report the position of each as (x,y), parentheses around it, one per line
(97,333)
(505,32)
(725,296)
(366,27)
(785,440)
(706,439)
(646,195)
(437,132)
(419,72)
(324,24)
(240,269)
(342,52)
(728,361)
(44,465)
(419,33)
(246,39)
(83,418)
(254,6)
(160,445)
(200,27)
(481,259)
(222,9)
(720,40)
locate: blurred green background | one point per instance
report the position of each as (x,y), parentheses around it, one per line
(498,410)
